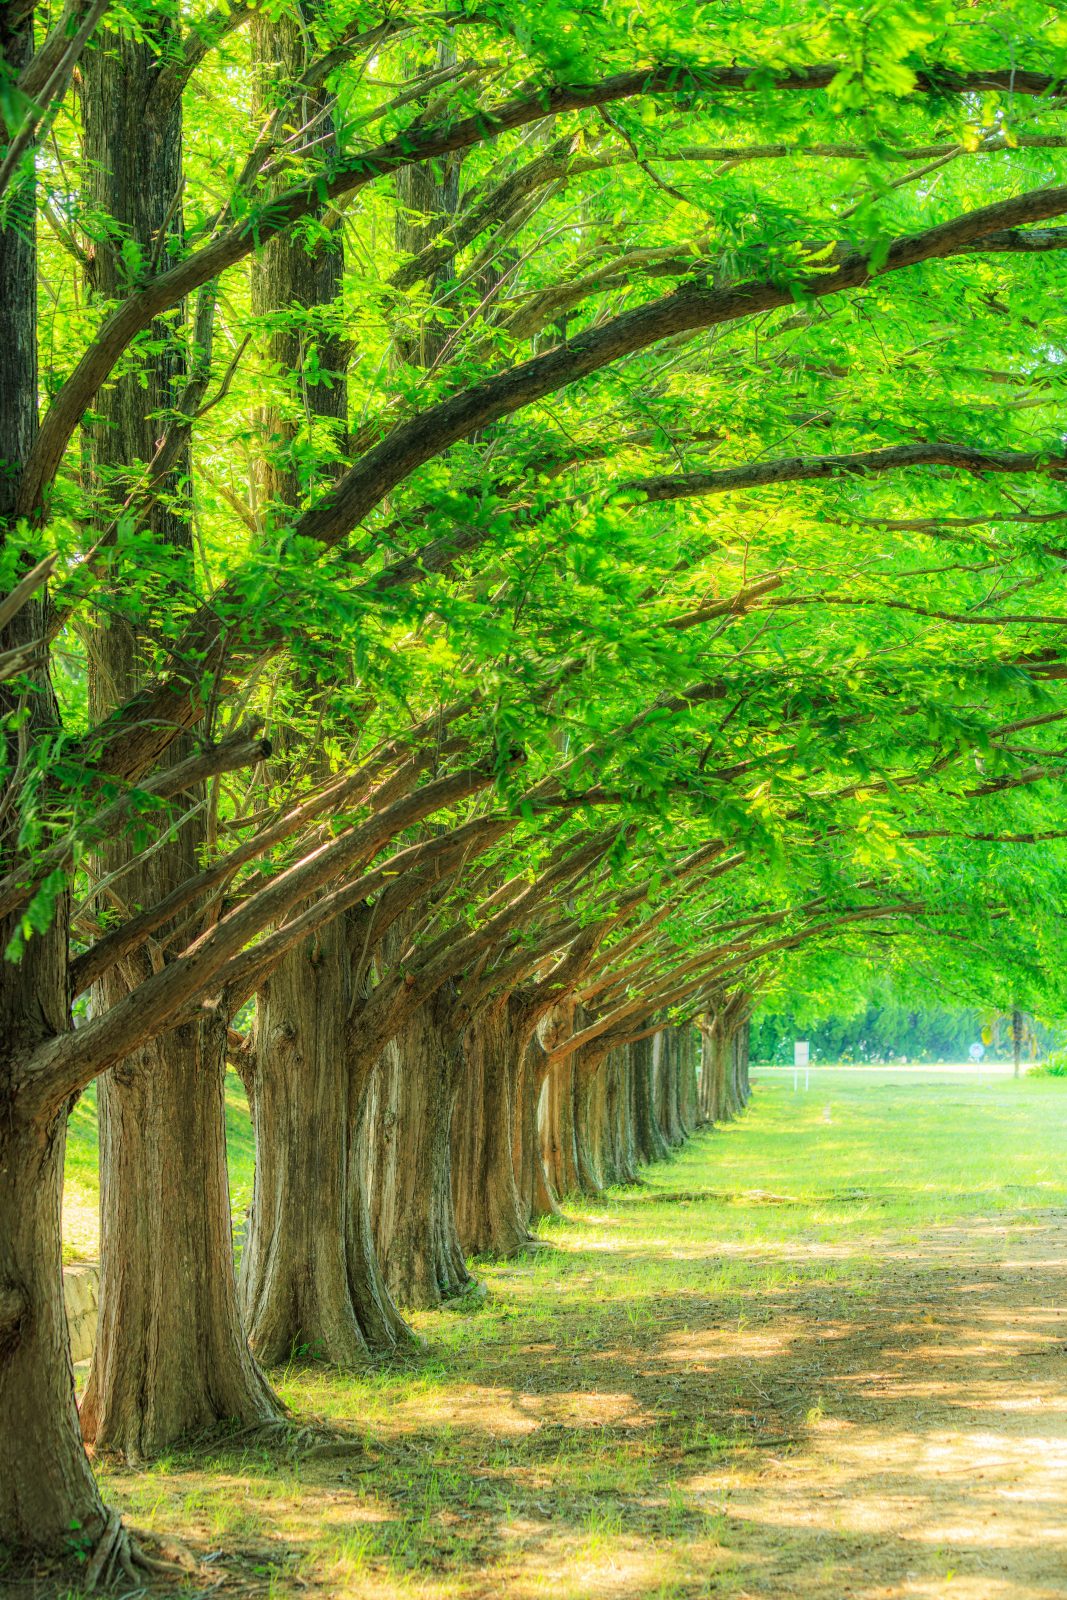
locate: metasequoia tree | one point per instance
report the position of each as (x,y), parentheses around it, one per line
(527,523)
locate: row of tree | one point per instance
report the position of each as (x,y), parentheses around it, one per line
(879,1031)
(520,532)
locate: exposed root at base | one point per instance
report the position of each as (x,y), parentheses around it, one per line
(474,1294)
(119,1555)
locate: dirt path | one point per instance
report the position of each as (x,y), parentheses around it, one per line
(923,1446)
(815,1356)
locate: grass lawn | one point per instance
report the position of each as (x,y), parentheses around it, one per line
(779,1367)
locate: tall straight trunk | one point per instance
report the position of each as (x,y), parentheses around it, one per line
(544,1198)
(421,1250)
(294,1270)
(588,1088)
(492,1214)
(667,1087)
(722,1096)
(590,1124)
(731,1103)
(1016,1041)
(558,1141)
(311,1282)
(46,1486)
(687,1085)
(627,1147)
(525,1142)
(170,1358)
(616,1144)
(311,1286)
(744,1043)
(648,1135)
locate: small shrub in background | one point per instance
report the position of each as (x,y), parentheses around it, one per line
(1053,1066)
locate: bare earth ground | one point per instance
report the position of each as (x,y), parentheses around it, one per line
(820,1354)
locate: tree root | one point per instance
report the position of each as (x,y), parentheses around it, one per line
(118,1555)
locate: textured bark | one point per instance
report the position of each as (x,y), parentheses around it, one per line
(525,1145)
(489,1132)
(558,1138)
(311,1286)
(170,1358)
(294,1271)
(421,1252)
(383,1326)
(310,1278)
(288,275)
(649,1142)
(588,1088)
(46,1486)
(687,1083)
(666,1081)
(617,1151)
(724,1087)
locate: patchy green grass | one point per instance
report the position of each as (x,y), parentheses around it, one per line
(815,1354)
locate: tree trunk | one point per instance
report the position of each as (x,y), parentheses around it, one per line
(558,1142)
(294,1271)
(648,1135)
(490,1211)
(744,1041)
(707,1101)
(48,1497)
(421,1252)
(687,1103)
(310,1281)
(666,1079)
(171,1359)
(525,1142)
(1016,1041)
(617,1160)
(587,1088)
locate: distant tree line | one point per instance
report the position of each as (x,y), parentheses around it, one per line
(894,1032)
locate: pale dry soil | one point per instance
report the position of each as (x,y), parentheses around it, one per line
(822,1353)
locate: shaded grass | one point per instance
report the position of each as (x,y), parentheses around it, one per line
(577,1434)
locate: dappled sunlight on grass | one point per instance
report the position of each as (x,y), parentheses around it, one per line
(770,1370)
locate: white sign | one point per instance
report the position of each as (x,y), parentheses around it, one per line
(977,1051)
(800,1059)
